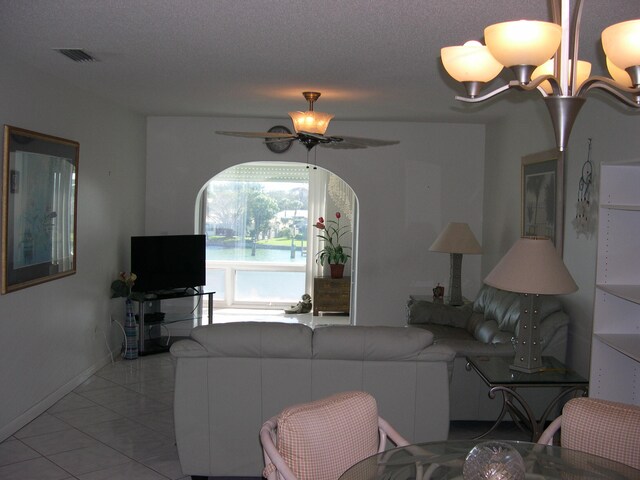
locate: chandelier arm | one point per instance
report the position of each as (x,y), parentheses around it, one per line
(556,15)
(573,54)
(489,95)
(532,85)
(611,87)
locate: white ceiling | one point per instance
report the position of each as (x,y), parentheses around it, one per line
(371,59)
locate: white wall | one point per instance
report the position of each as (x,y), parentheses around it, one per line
(53,333)
(527,129)
(407,193)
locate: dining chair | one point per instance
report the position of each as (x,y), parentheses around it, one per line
(320,440)
(600,427)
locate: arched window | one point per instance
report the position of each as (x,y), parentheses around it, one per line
(259,220)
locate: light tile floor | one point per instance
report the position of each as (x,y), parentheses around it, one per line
(116,425)
(119,425)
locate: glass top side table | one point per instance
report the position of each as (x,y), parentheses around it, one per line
(497,375)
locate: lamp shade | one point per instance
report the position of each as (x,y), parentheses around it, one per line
(310,121)
(533,266)
(470,62)
(621,43)
(584,70)
(523,42)
(618,74)
(456,238)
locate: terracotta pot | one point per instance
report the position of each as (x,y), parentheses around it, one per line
(337,270)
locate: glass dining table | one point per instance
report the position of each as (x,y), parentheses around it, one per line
(446,461)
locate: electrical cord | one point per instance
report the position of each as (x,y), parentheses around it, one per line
(124,337)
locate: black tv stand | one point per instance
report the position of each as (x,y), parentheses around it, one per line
(146,347)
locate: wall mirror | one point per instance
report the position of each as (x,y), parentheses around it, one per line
(39,208)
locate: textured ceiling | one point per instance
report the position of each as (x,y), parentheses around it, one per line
(371,59)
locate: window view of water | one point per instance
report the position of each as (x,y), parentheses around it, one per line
(254,285)
(276,255)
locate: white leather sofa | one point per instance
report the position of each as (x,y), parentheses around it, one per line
(231,378)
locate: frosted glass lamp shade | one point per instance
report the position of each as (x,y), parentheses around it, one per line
(621,43)
(523,42)
(532,266)
(310,121)
(619,75)
(584,70)
(470,62)
(456,238)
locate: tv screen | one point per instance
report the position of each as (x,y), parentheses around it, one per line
(168,262)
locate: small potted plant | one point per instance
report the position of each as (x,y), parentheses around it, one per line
(123,285)
(332,253)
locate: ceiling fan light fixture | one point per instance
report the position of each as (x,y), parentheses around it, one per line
(310,121)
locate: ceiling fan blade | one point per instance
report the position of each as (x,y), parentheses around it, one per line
(266,135)
(341,142)
(288,138)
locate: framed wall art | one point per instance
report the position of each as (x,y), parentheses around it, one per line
(39,208)
(542,187)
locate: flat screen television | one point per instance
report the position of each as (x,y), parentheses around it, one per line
(168,262)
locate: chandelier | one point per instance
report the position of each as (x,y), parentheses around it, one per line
(543,56)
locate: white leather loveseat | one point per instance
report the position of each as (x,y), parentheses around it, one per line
(231,378)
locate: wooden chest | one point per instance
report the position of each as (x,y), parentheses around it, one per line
(331,294)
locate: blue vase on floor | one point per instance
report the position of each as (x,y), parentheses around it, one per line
(130,333)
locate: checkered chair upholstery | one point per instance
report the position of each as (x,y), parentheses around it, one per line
(600,427)
(320,440)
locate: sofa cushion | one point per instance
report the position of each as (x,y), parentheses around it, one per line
(442,332)
(473,347)
(498,305)
(486,331)
(504,307)
(255,340)
(438,314)
(369,343)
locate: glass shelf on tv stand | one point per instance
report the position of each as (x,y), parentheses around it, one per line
(142,298)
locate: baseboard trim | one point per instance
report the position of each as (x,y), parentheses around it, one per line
(50,400)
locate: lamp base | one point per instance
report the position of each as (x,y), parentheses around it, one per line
(455,280)
(528,358)
(519,368)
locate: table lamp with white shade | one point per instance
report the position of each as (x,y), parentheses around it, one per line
(532,267)
(456,239)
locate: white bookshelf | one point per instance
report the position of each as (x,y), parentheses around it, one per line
(615,351)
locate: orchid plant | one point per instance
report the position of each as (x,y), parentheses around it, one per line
(331,232)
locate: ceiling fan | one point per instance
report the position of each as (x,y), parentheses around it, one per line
(310,128)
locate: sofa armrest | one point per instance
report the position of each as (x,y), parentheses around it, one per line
(437,353)
(188,348)
(424,312)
